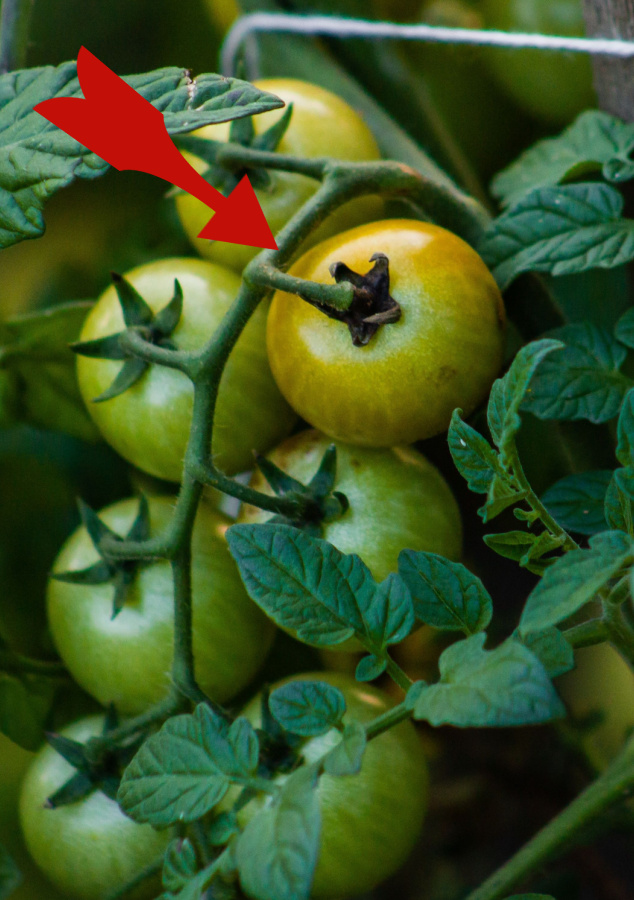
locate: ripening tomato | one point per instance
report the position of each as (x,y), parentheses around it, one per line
(370,821)
(402,386)
(126,660)
(321,125)
(149,423)
(397,500)
(88,849)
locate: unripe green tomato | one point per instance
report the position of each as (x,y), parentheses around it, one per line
(88,849)
(444,351)
(397,500)
(127,660)
(370,821)
(553,86)
(14,763)
(602,683)
(149,423)
(321,125)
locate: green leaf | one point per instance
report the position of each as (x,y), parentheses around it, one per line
(445,594)
(181,772)
(619,500)
(34,349)
(583,380)
(575,579)
(624,329)
(370,667)
(501,494)
(179,864)
(531,897)
(346,757)
(577,501)
(277,851)
(472,454)
(552,649)
(517,545)
(37,158)
(560,230)
(307,707)
(508,392)
(596,141)
(306,584)
(10,875)
(495,688)
(625,432)
(25,704)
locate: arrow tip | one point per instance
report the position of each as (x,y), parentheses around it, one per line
(240,220)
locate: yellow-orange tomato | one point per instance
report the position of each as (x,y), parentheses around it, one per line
(403,385)
(321,125)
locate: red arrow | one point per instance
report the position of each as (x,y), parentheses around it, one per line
(119,125)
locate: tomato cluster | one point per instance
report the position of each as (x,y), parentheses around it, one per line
(371,385)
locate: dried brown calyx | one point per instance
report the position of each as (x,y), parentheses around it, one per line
(372,305)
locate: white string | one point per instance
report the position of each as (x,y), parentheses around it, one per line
(342,27)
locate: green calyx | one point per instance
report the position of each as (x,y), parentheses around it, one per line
(120,572)
(99,764)
(139,318)
(224,174)
(316,502)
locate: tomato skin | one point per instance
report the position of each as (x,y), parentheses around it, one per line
(127,660)
(87,849)
(322,124)
(602,683)
(149,423)
(443,353)
(397,500)
(554,87)
(370,821)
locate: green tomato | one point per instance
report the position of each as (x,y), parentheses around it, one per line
(602,684)
(149,423)
(397,500)
(88,849)
(370,821)
(321,125)
(444,351)
(552,86)
(127,660)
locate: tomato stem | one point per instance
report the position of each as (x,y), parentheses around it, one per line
(565,830)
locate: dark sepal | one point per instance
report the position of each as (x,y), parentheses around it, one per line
(96,529)
(140,529)
(279,481)
(372,304)
(168,318)
(269,140)
(72,751)
(122,580)
(241,131)
(111,719)
(129,373)
(76,788)
(323,481)
(99,573)
(134,308)
(313,528)
(108,347)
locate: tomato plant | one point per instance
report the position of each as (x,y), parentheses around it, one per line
(149,423)
(321,124)
(404,384)
(418,510)
(369,822)
(87,848)
(125,659)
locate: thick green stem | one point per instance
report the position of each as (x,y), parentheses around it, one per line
(171,359)
(621,635)
(587,634)
(386,721)
(281,506)
(564,831)
(15,20)
(339,296)
(235,155)
(398,675)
